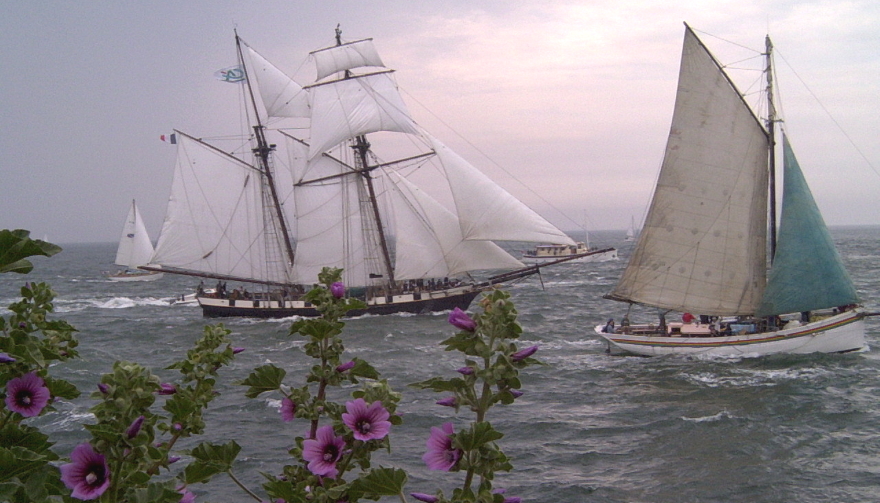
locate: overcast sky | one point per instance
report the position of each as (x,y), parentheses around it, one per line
(567,102)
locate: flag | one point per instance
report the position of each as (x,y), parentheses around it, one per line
(169,138)
(232,74)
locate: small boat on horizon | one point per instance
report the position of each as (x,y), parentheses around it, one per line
(135,249)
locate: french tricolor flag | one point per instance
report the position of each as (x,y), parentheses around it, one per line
(169,138)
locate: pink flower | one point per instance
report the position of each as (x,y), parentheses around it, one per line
(167,389)
(27,395)
(440,454)
(135,427)
(449,401)
(367,423)
(459,319)
(323,452)
(338,289)
(288,410)
(88,474)
(345,366)
(522,354)
(427,498)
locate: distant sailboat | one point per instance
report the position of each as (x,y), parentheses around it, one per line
(631,232)
(135,249)
(703,246)
(407,232)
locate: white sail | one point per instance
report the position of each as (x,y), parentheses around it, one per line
(487,211)
(215,219)
(702,246)
(432,245)
(348,108)
(281,96)
(135,248)
(327,219)
(347,56)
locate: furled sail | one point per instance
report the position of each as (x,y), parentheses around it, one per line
(281,96)
(487,211)
(348,56)
(348,108)
(433,246)
(807,271)
(135,248)
(215,222)
(702,246)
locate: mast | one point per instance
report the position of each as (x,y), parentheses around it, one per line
(263,150)
(362,146)
(771,145)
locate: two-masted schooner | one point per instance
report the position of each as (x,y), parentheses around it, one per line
(355,184)
(703,250)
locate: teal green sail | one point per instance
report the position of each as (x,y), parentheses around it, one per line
(807,272)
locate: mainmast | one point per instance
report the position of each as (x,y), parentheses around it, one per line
(771,145)
(361,147)
(263,150)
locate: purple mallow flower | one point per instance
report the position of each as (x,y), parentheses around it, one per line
(188,497)
(103,388)
(88,474)
(516,393)
(5,358)
(135,427)
(27,395)
(338,289)
(522,354)
(345,366)
(427,498)
(449,401)
(288,410)
(323,452)
(459,319)
(236,351)
(367,422)
(440,454)
(167,389)
(466,371)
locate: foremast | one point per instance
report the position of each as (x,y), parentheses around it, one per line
(263,151)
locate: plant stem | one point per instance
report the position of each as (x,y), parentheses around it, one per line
(242,486)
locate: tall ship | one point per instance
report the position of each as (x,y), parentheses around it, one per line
(344,178)
(710,250)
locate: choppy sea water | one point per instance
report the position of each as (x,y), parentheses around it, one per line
(592,426)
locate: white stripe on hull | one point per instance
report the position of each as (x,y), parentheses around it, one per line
(841,333)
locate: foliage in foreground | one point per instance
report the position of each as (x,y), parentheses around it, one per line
(344,409)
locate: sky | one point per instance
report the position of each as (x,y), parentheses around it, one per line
(566,103)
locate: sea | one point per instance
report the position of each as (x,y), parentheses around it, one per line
(592,426)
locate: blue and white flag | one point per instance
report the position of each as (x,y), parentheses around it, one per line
(232,74)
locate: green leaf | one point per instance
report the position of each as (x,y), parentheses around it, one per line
(380,482)
(35,485)
(160,492)
(479,435)
(61,389)
(16,246)
(211,459)
(16,462)
(439,384)
(263,379)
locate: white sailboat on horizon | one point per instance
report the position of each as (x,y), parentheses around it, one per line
(135,249)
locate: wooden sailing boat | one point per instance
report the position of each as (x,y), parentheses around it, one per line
(703,247)
(135,249)
(324,195)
